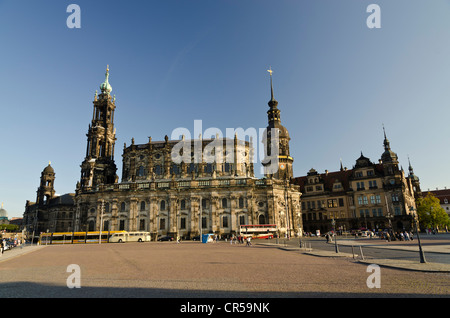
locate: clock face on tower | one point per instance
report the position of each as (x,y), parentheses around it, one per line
(282,166)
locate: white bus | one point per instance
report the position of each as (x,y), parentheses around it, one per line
(124,236)
(259,231)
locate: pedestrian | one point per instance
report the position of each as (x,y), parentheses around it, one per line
(388,237)
(249,243)
(406,236)
(178,239)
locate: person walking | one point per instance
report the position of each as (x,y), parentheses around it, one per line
(249,239)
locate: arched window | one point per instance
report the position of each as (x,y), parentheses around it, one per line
(106,207)
(162,205)
(262,219)
(241,202)
(158,170)
(122,207)
(140,172)
(204,203)
(142,205)
(224,203)
(183,204)
(91,226)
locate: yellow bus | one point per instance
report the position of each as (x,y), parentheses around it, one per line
(75,237)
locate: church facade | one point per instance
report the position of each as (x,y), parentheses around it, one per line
(212,190)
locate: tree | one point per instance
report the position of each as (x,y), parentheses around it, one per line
(9,227)
(430,212)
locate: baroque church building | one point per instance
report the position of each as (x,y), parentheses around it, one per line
(197,195)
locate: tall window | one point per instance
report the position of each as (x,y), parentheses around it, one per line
(142,205)
(225,221)
(142,225)
(224,203)
(140,172)
(122,207)
(241,220)
(241,202)
(182,223)
(162,205)
(162,224)
(183,204)
(204,222)
(378,199)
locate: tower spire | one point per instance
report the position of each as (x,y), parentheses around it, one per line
(386,141)
(105,86)
(271,85)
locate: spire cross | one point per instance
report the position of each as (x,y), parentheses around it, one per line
(271,86)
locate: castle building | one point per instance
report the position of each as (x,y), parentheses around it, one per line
(372,196)
(212,189)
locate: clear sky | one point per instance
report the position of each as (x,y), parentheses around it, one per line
(172,62)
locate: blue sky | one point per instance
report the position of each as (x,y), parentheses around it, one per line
(173,62)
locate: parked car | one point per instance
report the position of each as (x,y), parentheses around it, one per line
(165,238)
(367,234)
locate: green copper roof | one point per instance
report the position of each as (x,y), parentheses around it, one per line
(105,86)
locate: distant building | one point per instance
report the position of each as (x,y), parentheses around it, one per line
(3,216)
(444,198)
(50,212)
(372,196)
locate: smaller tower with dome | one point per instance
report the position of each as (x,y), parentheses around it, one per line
(3,216)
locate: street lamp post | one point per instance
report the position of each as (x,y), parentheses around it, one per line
(101,223)
(416,222)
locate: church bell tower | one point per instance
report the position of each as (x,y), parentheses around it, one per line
(98,166)
(284,170)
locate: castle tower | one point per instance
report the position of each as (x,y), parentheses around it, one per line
(415,182)
(389,158)
(46,189)
(98,166)
(285,161)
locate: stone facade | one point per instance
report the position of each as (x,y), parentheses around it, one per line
(212,190)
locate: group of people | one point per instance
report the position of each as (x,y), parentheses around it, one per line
(401,236)
(6,244)
(240,239)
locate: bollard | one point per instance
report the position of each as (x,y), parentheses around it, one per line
(353,252)
(362,255)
